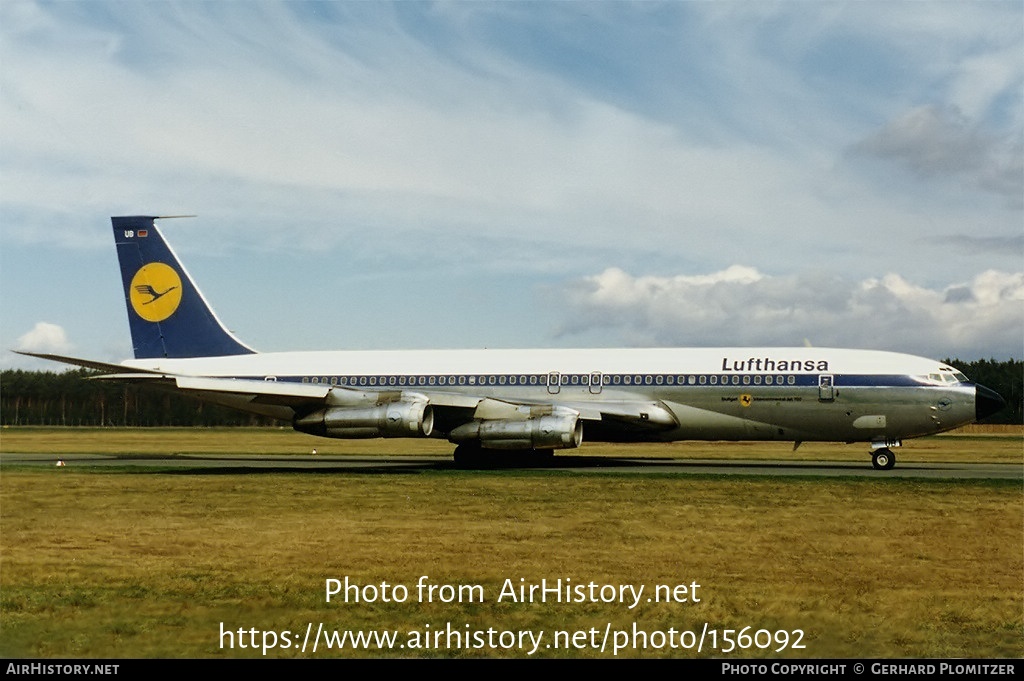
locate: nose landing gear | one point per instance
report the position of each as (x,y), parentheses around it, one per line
(883,459)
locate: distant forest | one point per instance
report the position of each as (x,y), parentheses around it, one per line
(46,398)
(69,398)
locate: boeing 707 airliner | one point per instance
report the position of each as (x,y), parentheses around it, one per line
(529,402)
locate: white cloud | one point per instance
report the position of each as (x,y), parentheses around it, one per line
(45,337)
(204,108)
(558,138)
(741,306)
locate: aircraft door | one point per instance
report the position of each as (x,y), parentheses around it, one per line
(826,388)
(554,382)
(596,381)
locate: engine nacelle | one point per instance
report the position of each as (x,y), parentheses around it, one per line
(554,431)
(392,419)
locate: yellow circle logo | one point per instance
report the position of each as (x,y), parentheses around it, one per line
(155,292)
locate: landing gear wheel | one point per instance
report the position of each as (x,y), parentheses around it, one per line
(883,459)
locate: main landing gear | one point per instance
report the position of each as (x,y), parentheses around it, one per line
(883,459)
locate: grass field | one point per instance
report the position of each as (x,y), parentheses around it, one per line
(131,563)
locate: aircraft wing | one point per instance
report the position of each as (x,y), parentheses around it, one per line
(286,399)
(649,415)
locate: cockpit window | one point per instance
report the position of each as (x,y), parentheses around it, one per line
(951,375)
(947,376)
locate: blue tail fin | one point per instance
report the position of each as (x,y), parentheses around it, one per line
(167,314)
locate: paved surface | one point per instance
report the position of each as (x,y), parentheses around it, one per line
(587,465)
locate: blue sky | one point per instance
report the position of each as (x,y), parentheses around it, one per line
(522,174)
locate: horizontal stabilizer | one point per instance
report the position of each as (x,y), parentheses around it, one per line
(85,363)
(134,378)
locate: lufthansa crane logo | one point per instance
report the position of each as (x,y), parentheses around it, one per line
(155,292)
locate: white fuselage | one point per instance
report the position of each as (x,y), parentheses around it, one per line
(793,394)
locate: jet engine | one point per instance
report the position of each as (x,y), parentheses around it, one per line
(391,419)
(553,431)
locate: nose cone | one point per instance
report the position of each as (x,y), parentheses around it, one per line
(986,402)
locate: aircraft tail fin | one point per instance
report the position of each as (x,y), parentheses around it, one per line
(167,314)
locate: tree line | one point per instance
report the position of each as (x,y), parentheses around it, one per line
(69,398)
